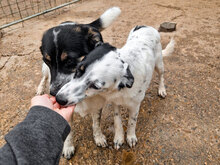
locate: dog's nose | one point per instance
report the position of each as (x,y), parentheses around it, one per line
(61,100)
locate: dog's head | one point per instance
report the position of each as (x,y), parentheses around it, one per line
(63,47)
(108,74)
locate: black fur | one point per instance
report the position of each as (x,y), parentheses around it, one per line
(75,40)
(93,56)
(129,80)
(120,86)
(138,27)
(97,24)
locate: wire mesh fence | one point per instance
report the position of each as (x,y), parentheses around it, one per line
(16,11)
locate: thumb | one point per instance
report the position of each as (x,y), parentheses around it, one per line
(66,112)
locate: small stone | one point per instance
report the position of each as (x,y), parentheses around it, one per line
(95,152)
(194,128)
(167,27)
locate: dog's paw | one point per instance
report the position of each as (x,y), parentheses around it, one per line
(68,152)
(131,140)
(118,142)
(100,140)
(162,92)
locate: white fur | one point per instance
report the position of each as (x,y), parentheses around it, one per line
(68,148)
(67,23)
(169,48)
(109,16)
(142,53)
(55,34)
(45,79)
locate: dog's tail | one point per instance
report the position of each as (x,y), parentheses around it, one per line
(169,48)
(106,18)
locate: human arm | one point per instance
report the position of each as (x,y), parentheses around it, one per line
(39,138)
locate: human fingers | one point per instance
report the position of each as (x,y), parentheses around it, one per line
(56,105)
(66,112)
(46,95)
(72,107)
(42,101)
(53,99)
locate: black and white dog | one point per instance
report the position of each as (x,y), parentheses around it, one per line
(118,76)
(63,47)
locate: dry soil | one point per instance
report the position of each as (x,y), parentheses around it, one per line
(183,128)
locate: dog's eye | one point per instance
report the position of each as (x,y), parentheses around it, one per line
(93,86)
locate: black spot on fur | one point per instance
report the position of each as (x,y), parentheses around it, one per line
(139,91)
(122,61)
(87,81)
(130,78)
(76,89)
(120,86)
(138,27)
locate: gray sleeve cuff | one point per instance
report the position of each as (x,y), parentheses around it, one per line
(49,117)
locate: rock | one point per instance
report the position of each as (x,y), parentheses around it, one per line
(167,27)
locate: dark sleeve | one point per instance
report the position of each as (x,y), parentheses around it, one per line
(37,140)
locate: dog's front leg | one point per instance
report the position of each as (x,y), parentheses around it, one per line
(99,138)
(68,148)
(131,136)
(44,80)
(119,132)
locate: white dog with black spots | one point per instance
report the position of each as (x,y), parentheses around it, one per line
(120,77)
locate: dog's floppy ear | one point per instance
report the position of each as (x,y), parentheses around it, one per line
(127,79)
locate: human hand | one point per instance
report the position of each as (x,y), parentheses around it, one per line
(42,100)
(66,112)
(50,102)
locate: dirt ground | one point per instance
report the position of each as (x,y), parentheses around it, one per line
(183,128)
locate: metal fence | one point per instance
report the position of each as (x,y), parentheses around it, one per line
(16,11)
